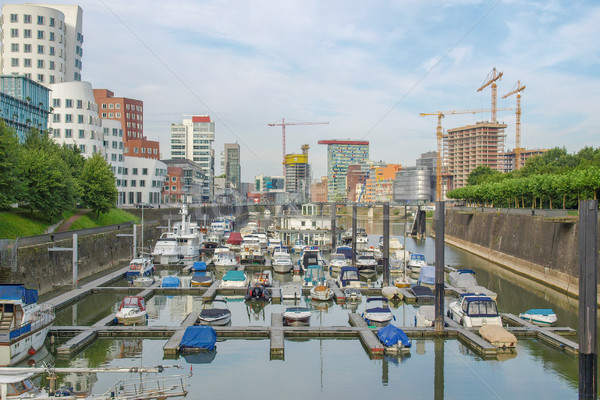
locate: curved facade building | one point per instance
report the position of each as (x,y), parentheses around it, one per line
(42,42)
(413,185)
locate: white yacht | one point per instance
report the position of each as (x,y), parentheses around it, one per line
(166,250)
(282,262)
(474,310)
(226,260)
(189,236)
(251,251)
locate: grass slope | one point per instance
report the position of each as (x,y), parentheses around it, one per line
(114,216)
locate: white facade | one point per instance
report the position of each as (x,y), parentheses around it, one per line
(74,120)
(42,42)
(113,147)
(143,180)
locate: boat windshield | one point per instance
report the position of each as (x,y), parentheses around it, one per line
(337,256)
(352,274)
(482,308)
(367,257)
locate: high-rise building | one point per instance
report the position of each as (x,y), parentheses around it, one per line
(340,154)
(429,161)
(297,174)
(192,140)
(468,147)
(24,104)
(356,180)
(113,147)
(42,42)
(231,166)
(130,114)
(508,159)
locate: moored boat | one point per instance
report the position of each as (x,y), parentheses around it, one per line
(394,339)
(132,311)
(234,279)
(202,278)
(143,266)
(378,315)
(415,263)
(214,313)
(144,281)
(474,310)
(540,316)
(427,276)
(321,293)
(296,316)
(166,250)
(498,336)
(281,262)
(313,276)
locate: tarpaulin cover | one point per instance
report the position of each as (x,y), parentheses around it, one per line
(390,335)
(199,266)
(170,281)
(199,337)
(235,238)
(427,275)
(346,251)
(18,292)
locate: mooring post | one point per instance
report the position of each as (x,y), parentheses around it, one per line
(75,255)
(386,244)
(588,218)
(333,227)
(354,218)
(134,240)
(439,266)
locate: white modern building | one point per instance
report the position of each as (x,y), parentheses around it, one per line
(42,42)
(192,140)
(74,120)
(113,147)
(143,180)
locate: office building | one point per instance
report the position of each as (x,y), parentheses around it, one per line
(318,190)
(429,161)
(340,154)
(266,184)
(412,185)
(42,42)
(297,174)
(144,179)
(231,166)
(186,181)
(113,148)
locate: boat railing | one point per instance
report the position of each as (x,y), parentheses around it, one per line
(143,388)
(42,317)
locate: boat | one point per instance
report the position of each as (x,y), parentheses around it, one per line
(415,263)
(198,266)
(273,244)
(198,338)
(348,278)
(474,310)
(540,316)
(394,339)
(267,212)
(143,281)
(314,276)
(498,336)
(336,262)
(427,276)
(462,278)
(345,250)
(281,262)
(402,281)
(362,240)
(132,311)
(166,250)
(422,293)
(170,282)
(234,241)
(202,278)
(262,239)
(143,266)
(377,316)
(352,294)
(397,261)
(296,316)
(291,291)
(321,293)
(257,291)
(234,279)
(366,264)
(392,293)
(214,313)
(251,251)
(311,255)
(263,278)
(298,246)
(188,235)
(24,323)
(225,260)
(425,316)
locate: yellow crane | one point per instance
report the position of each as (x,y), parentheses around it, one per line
(491,78)
(440,137)
(518,149)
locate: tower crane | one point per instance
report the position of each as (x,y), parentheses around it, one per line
(491,78)
(518,149)
(440,136)
(283,124)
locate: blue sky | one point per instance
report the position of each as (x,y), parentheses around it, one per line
(367,67)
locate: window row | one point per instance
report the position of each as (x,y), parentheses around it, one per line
(134,125)
(68,134)
(41,35)
(41,20)
(80,104)
(69,119)
(111,115)
(41,49)
(115,132)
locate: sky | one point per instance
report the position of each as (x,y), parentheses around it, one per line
(366,67)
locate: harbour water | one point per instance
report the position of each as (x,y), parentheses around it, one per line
(334,368)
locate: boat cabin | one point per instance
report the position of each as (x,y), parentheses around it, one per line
(133,302)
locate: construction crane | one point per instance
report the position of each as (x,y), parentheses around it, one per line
(283,124)
(518,149)
(491,78)
(440,136)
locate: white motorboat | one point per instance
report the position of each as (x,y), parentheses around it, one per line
(462,278)
(398,258)
(348,278)
(141,266)
(415,263)
(377,316)
(366,264)
(144,281)
(362,241)
(474,310)
(132,311)
(215,313)
(226,260)
(24,323)
(273,244)
(336,262)
(251,251)
(540,316)
(347,235)
(166,250)
(314,276)
(392,293)
(282,262)
(298,246)
(262,239)
(189,236)
(425,316)
(311,255)
(321,293)
(296,316)
(234,279)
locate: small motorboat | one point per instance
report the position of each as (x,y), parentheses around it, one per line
(202,278)
(281,262)
(540,316)
(321,293)
(427,276)
(366,265)
(422,293)
(336,262)
(234,279)
(352,294)
(462,278)
(425,316)
(498,336)
(415,263)
(348,278)
(140,266)
(214,313)
(258,291)
(143,281)
(132,311)
(474,310)
(402,281)
(198,266)
(198,339)
(314,276)
(170,282)
(392,293)
(394,339)
(296,316)
(377,316)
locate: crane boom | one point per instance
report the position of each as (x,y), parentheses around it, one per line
(491,78)
(283,124)
(518,149)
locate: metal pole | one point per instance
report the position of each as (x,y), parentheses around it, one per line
(439,266)
(333,227)
(75,255)
(386,244)
(354,218)
(588,217)
(134,240)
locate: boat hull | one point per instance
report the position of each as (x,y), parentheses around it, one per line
(321,293)
(225,320)
(132,319)
(18,350)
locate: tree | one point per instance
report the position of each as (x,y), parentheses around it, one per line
(482,174)
(98,185)
(10,184)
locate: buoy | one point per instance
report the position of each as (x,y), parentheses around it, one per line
(31,351)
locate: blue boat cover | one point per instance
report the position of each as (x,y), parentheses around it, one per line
(346,251)
(540,311)
(466,271)
(390,335)
(199,266)
(170,281)
(18,292)
(427,275)
(199,337)
(234,276)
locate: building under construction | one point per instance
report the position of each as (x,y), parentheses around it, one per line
(297,173)
(469,146)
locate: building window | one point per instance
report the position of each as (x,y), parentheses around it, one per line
(27,62)
(51,50)
(51,21)
(69,103)
(113,157)
(51,65)
(40,49)
(14,62)
(56,102)
(27,18)
(133,183)
(14,33)
(104,106)
(173,188)
(80,119)
(14,18)
(56,133)
(40,78)
(134,171)
(103,115)
(142,183)
(143,150)
(144,171)
(111,115)
(14,47)
(121,158)
(80,104)
(111,106)
(118,115)
(68,133)
(68,118)
(51,78)
(40,20)
(27,33)
(126,150)
(82,148)
(40,35)
(118,106)
(173,179)
(27,48)
(55,117)
(81,134)
(136,150)
(40,63)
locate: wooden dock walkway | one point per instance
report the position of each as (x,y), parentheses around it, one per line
(471,339)
(367,336)
(212,291)
(340,297)
(276,293)
(546,334)
(277,337)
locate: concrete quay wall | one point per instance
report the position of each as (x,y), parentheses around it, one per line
(543,249)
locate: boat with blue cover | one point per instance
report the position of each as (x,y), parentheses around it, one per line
(234,279)
(394,339)
(24,323)
(202,278)
(198,266)
(379,315)
(198,338)
(141,266)
(170,282)
(427,276)
(540,316)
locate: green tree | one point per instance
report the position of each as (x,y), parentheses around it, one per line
(482,174)
(10,184)
(98,185)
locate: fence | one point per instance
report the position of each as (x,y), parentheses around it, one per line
(515,211)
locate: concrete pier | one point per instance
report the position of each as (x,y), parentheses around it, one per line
(76,344)
(277,337)
(340,297)
(212,291)
(547,335)
(367,336)
(474,341)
